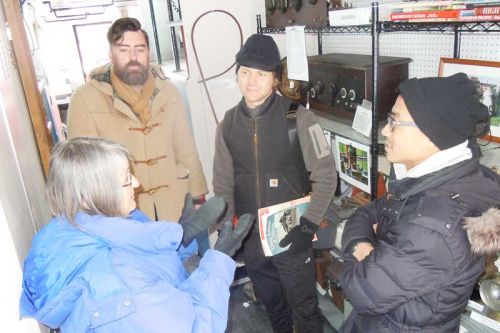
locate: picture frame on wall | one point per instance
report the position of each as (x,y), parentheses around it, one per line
(353,162)
(487,74)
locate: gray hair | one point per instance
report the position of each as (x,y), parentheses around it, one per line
(83,176)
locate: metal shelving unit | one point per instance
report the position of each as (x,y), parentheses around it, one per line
(375,29)
(388,26)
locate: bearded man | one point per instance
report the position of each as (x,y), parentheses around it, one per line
(132,102)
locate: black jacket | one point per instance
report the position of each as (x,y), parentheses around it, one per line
(422,271)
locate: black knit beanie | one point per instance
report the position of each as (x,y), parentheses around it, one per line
(445,109)
(259,52)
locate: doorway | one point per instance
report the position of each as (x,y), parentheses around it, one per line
(93,52)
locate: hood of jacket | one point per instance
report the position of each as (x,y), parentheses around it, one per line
(483,223)
(484,232)
(101,78)
(102,73)
(65,260)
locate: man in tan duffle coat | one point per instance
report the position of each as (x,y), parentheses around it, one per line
(133,103)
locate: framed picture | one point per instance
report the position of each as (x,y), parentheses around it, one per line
(487,74)
(353,162)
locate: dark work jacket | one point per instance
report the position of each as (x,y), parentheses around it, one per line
(262,153)
(422,271)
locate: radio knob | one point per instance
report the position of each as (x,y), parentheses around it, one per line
(296,4)
(317,89)
(283,5)
(343,92)
(270,6)
(352,95)
(332,89)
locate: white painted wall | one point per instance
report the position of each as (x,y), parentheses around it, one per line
(23,207)
(10,284)
(217,40)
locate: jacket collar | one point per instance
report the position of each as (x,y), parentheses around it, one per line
(102,73)
(435,162)
(262,109)
(101,80)
(402,189)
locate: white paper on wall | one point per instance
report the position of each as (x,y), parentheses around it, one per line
(296,51)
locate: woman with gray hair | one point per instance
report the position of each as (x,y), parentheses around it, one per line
(100,265)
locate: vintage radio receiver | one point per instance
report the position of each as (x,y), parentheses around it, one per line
(339,82)
(282,13)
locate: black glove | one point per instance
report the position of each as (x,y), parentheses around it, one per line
(230,240)
(300,236)
(194,221)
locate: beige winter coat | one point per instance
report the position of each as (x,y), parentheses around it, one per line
(166,160)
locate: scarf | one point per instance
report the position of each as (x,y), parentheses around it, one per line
(438,161)
(138,101)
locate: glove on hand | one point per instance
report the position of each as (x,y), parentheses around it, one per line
(230,240)
(194,221)
(300,236)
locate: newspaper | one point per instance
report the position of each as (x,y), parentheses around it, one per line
(276,221)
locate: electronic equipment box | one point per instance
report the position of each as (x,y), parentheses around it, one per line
(339,82)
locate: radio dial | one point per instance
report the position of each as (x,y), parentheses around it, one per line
(296,4)
(317,89)
(332,89)
(283,5)
(271,5)
(343,92)
(352,95)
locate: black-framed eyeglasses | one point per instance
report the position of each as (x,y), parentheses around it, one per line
(393,123)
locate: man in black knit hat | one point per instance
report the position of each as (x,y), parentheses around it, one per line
(260,162)
(414,255)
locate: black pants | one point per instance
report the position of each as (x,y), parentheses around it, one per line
(286,284)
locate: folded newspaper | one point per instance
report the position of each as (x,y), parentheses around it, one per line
(276,221)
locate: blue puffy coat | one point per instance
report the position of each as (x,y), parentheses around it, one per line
(111,274)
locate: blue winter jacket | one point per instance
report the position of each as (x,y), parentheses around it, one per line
(111,274)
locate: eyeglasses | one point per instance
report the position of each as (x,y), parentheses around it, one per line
(129,179)
(393,123)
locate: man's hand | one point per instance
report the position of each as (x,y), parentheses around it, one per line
(300,236)
(362,250)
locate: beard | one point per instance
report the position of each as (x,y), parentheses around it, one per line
(132,77)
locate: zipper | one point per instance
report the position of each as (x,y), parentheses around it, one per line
(256,155)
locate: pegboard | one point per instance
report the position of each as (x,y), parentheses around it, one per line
(424,48)
(480,46)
